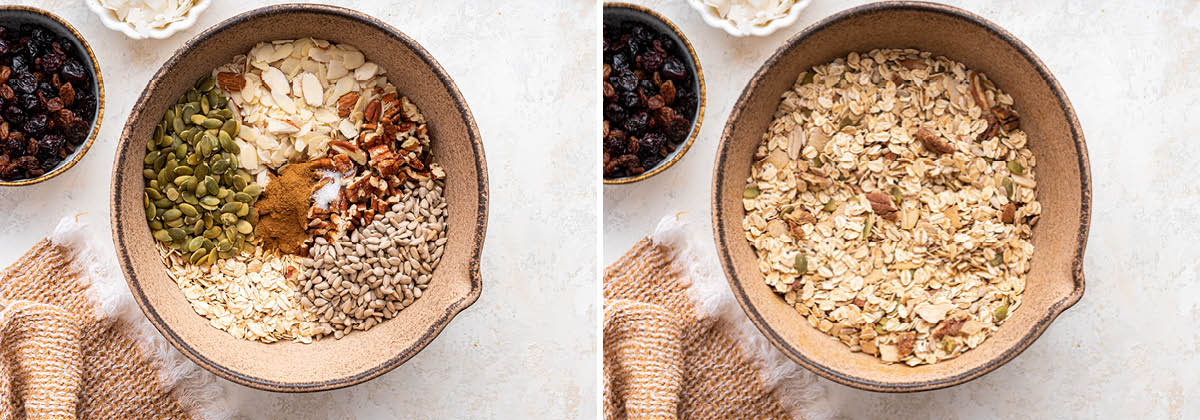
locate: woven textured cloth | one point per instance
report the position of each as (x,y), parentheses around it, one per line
(677,346)
(74,346)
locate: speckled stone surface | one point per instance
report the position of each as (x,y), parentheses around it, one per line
(527,348)
(1129,349)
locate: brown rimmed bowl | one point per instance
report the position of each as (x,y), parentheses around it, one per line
(326,364)
(22,15)
(1055,281)
(625,12)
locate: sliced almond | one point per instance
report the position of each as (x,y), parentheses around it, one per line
(313,93)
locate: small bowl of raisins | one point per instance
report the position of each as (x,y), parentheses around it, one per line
(653,93)
(51,96)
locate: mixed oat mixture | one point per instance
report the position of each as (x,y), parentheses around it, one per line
(892,203)
(294,196)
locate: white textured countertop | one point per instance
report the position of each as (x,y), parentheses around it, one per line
(527,348)
(1130,348)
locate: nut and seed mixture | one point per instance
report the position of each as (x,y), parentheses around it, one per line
(296,117)
(892,203)
(370,273)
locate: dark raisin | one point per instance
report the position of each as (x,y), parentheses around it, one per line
(24,83)
(27,162)
(637,123)
(77,131)
(50,145)
(614,113)
(51,63)
(47,90)
(74,71)
(627,81)
(667,44)
(49,162)
(28,102)
(20,64)
(673,69)
(41,35)
(652,61)
(630,100)
(651,142)
(614,145)
(633,45)
(34,126)
(13,114)
(3,46)
(14,146)
(648,88)
(620,62)
(651,161)
(679,128)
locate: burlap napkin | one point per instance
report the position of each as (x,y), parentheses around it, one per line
(74,345)
(676,344)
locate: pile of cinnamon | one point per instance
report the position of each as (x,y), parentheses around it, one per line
(283,208)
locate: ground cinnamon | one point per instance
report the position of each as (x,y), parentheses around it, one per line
(283,208)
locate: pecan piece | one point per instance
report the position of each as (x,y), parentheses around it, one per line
(882,205)
(905,342)
(814,181)
(1008,213)
(934,142)
(913,63)
(371,114)
(978,91)
(1007,118)
(949,327)
(348,149)
(346,103)
(992,128)
(866,340)
(231,82)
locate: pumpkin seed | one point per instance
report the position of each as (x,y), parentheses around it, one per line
(1015,167)
(1000,314)
(801,264)
(244,227)
(162,235)
(254,190)
(751,192)
(195,193)
(188,210)
(172,214)
(830,206)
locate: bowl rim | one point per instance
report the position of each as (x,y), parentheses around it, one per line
(480,226)
(722,241)
(683,148)
(95,130)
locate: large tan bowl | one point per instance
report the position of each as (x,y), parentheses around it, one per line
(1055,280)
(326,364)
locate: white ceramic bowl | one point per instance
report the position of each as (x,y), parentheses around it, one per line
(713,19)
(110,20)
